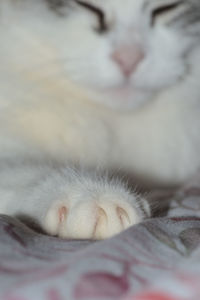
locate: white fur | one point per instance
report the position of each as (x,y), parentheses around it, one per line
(62,97)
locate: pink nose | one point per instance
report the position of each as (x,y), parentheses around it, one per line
(128,57)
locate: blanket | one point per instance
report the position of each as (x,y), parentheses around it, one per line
(158,259)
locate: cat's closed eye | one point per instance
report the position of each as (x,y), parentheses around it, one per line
(164,9)
(102,25)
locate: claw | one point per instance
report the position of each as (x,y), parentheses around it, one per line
(101,218)
(123,216)
(62,214)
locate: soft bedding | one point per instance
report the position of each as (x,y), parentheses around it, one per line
(156,260)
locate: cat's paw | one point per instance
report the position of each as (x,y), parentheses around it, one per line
(94,215)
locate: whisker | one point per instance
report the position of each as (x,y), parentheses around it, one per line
(55,62)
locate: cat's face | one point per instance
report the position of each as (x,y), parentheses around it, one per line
(125,50)
(129,49)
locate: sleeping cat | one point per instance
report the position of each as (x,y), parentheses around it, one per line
(92,87)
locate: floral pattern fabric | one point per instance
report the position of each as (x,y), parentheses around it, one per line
(158,259)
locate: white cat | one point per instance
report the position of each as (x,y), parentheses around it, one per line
(90,86)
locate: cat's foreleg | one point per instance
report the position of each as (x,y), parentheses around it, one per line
(70,203)
(94,207)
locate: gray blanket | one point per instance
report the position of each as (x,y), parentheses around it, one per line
(156,260)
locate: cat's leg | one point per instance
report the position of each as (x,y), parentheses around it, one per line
(67,202)
(94,208)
